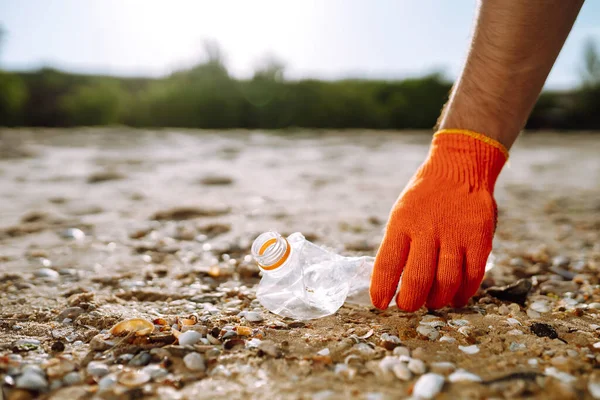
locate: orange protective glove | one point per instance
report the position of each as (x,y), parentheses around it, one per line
(439,234)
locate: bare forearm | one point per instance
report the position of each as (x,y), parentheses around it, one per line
(514,46)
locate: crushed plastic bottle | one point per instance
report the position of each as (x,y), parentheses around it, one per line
(304,281)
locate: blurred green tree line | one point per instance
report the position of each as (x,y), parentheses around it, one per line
(207,96)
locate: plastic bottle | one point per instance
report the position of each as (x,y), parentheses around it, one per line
(304,281)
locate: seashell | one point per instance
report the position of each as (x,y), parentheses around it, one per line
(140,327)
(133,378)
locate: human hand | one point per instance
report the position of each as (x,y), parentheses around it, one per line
(439,234)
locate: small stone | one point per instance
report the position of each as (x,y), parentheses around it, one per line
(107,382)
(448,339)
(594,385)
(194,361)
(402,372)
(141,359)
(463,376)
(514,346)
(596,345)
(513,321)
(516,292)
(72,378)
(515,332)
(155,371)
(561,376)
(428,331)
(401,351)
(388,362)
(324,352)
(73,233)
(253,343)
(595,306)
(540,306)
(253,316)
(97,369)
(31,381)
(428,386)
(572,353)
(534,362)
(188,338)
(544,330)
(560,261)
(47,274)
(133,378)
(473,349)
(417,366)
(533,314)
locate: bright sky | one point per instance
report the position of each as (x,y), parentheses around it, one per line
(315,38)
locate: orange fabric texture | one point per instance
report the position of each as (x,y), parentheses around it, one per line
(439,233)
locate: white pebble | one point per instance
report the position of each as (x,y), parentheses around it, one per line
(513,321)
(416,366)
(561,376)
(473,349)
(96,368)
(540,306)
(596,345)
(253,316)
(515,332)
(194,361)
(402,372)
(443,367)
(31,381)
(72,378)
(594,388)
(47,273)
(253,343)
(189,338)
(388,362)
(534,362)
(462,375)
(448,339)
(428,331)
(107,382)
(324,352)
(428,386)
(401,351)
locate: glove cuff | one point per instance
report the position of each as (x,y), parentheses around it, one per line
(465,157)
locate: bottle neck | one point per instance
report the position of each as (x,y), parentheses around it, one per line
(270,250)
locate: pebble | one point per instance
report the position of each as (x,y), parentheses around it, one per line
(459,322)
(324,352)
(31,380)
(514,346)
(141,359)
(561,376)
(47,273)
(107,382)
(401,351)
(253,316)
(416,366)
(540,306)
(73,233)
(572,353)
(595,306)
(155,371)
(428,386)
(594,386)
(194,361)
(473,349)
(534,362)
(428,331)
(402,372)
(515,332)
(189,338)
(448,339)
(133,378)
(596,345)
(253,343)
(513,321)
(72,378)
(461,375)
(388,362)
(97,369)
